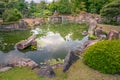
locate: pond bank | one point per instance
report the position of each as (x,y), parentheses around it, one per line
(13,26)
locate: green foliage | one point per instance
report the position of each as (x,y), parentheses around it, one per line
(34,47)
(52,6)
(92,37)
(77,6)
(47,13)
(104,56)
(2,7)
(52,62)
(63,7)
(44,13)
(60,7)
(33,9)
(55,61)
(22,6)
(11,15)
(94,6)
(111,12)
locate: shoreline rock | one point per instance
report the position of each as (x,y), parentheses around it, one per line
(69,60)
(23,62)
(5,69)
(13,26)
(47,72)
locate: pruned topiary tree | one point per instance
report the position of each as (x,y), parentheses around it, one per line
(111,13)
(104,56)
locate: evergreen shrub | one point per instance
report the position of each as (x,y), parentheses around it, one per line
(111,13)
(104,56)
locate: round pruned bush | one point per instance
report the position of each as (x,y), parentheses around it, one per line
(104,56)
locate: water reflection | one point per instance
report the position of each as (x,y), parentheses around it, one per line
(50,46)
(51,42)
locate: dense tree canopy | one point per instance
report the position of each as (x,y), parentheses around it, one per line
(62,6)
(77,6)
(2,7)
(111,13)
(44,9)
(94,6)
(11,15)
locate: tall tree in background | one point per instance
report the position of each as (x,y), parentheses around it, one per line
(61,6)
(64,7)
(53,6)
(2,8)
(111,13)
(10,12)
(31,9)
(94,6)
(22,6)
(77,6)
(11,15)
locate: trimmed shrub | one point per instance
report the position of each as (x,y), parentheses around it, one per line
(111,13)
(104,56)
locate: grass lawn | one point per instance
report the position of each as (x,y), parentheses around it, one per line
(78,71)
(107,28)
(28,74)
(19,74)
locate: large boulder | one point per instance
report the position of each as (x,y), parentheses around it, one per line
(100,33)
(5,69)
(69,60)
(92,26)
(24,62)
(13,26)
(22,24)
(84,33)
(46,72)
(88,43)
(113,34)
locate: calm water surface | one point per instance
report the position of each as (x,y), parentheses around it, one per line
(52,45)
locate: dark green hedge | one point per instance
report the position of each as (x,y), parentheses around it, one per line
(104,56)
(111,13)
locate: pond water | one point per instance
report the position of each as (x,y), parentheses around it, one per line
(51,45)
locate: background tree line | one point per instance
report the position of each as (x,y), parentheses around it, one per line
(12,10)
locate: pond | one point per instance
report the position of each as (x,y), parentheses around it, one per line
(50,44)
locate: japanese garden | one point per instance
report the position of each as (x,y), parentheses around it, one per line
(60,40)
